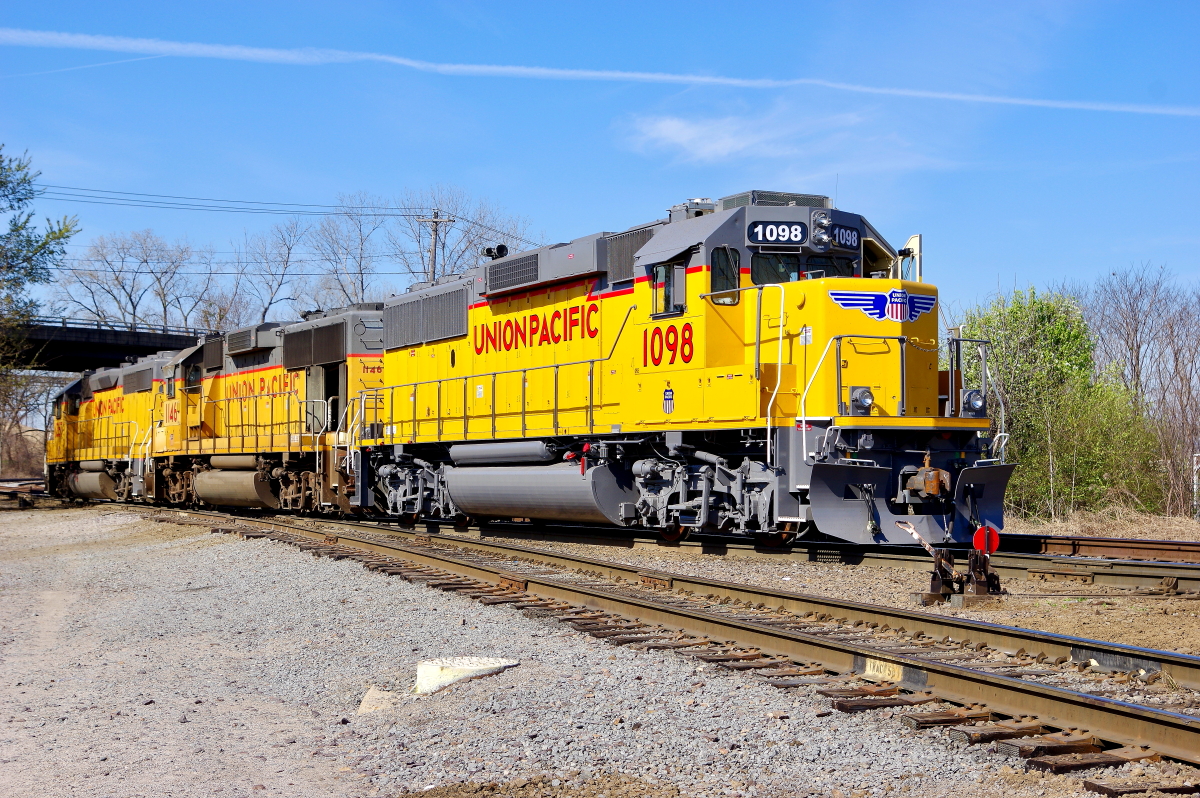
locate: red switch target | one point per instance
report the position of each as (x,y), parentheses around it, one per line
(986,540)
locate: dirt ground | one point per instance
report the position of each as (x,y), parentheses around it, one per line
(1118,522)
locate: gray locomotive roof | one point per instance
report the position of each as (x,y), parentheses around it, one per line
(611,254)
(676,237)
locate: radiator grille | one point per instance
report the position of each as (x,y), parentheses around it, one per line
(214,354)
(240,341)
(329,344)
(621,249)
(774,199)
(779,199)
(297,349)
(445,315)
(138,381)
(735,201)
(402,324)
(517,271)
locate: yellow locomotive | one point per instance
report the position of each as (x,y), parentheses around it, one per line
(753,366)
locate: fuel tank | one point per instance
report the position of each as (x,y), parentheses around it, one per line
(550,493)
(234,462)
(92,485)
(234,489)
(496,453)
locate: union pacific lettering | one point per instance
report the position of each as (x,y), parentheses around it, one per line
(110,406)
(577,321)
(250,386)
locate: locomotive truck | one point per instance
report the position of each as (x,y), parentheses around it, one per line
(763,366)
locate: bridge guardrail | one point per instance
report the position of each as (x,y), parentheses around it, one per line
(124,326)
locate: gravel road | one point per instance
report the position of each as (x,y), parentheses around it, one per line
(144,659)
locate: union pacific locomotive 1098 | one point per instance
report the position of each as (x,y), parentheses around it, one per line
(756,366)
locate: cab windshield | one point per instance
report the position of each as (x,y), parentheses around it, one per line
(787,267)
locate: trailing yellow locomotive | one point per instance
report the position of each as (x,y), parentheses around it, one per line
(753,366)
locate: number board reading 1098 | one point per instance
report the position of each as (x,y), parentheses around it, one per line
(845,237)
(777,233)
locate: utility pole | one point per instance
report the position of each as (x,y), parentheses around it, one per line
(434,223)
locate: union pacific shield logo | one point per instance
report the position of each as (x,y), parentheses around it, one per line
(894,305)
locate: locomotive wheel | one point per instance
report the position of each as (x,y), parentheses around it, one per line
(774,540)
(675,533)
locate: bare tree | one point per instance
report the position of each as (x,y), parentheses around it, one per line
(349,245)
(137,278)
(1145,333)
(270,265)
(24,398)
(476,223)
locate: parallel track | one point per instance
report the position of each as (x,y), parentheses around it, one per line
(1014,563)
(918,651)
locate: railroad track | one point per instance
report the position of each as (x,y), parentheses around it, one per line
(867,657)
(1105,548)
(1025,561)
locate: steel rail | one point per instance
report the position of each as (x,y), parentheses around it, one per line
(1116,548)
(1018,565)
(1170,733)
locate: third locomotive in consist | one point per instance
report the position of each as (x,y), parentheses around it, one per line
(754,366)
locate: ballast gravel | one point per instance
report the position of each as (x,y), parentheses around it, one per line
(1100,613)
(143,659)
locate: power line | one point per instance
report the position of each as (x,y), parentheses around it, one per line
(132,199)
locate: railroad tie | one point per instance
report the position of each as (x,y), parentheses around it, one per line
(863,691)
(871,704)
(967,714)
(1070,741)
(1023,726)
(757,664)
(1119,787)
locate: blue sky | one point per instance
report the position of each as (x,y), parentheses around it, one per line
(1029,142)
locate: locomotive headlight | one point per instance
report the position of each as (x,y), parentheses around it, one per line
(821,219)
(973,401)
(820,238)
(863,398)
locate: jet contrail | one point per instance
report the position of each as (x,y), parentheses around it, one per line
(315,57)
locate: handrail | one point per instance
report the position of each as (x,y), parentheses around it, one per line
(758,346)
(132,438)
(903,339)
(954,355)
(493,374)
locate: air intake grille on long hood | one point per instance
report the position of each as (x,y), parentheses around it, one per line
(214,354)
(138,381)
(329,344)
(402,324)
(240,341)
(621,249)
(297,349)
(445,315)
(517,271)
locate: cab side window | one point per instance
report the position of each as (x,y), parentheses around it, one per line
(669,287)
(726,266)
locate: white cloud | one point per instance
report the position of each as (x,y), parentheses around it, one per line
(315,57)
(782,133)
